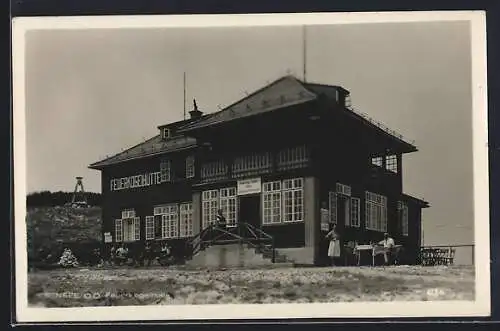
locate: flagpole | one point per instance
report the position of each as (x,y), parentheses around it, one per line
(304,54)
(184,86)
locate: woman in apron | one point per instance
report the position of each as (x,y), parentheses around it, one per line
(334,246)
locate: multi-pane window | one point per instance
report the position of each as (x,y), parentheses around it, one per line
(292,157)
(355,211)
(403,217)
(169,222)
(213,200)
(283,201)
(227,203)
(391,163)
(253,163)
(293,200)
(210,204)
(378,161)
(150,227)
(376,212)
(128,213)
(118,230)
(343,189)
(165,170)
(214,170)
(127,229)
(190,167)
(271,198)
(332,206)
(186,220)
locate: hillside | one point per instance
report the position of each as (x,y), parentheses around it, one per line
(49,226)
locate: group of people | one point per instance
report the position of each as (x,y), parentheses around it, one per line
(334,247)
(121,255)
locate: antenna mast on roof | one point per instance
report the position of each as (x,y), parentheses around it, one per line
(304,53)
(184,84)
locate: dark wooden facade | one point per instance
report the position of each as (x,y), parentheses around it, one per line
(339,147)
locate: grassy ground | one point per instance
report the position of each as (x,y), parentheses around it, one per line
(112,287)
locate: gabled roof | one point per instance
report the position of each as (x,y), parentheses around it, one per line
(153,146)
(285,92)
(282,93)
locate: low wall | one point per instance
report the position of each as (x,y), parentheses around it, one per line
(299,255)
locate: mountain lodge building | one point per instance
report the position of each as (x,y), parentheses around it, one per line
(273,161)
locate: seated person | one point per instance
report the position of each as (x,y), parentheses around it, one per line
(388,244)
(122,254)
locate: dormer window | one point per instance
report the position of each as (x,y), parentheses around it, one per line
(165,134)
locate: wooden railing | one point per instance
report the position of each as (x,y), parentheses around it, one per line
(242,233)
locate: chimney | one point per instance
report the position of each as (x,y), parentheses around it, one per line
(195,113)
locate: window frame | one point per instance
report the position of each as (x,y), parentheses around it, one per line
(355,211)
(403,210)
(166,130)
(149,227)
(375,212)
(391,163)
(272,191)
(186,222)
(190,166)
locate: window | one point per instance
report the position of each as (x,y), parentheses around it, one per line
(227,203)
(166,133)
(378,161)
(150,227)
(355,211)
(271,202)
(128,228)
(128,213)
(254,163)
(190,167)
(283,201)
(210,204)
(332,206)
(376,212)
(294,157)
(403,217)
(118,230)
(169,222)
(293,200)
(343,189)
(165,171)
(214,170)
(186,220)
(391,163)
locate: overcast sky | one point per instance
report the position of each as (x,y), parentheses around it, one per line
(91,93)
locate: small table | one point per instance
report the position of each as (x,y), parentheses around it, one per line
(374,249)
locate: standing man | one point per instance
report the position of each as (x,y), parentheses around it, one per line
(388,244)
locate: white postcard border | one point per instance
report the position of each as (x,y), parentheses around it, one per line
(479,307)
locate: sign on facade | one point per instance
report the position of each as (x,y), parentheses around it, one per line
(107,237)
(249,186)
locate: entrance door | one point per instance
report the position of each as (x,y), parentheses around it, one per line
(249,210)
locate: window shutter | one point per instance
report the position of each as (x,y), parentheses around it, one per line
(137,228)
(118,230)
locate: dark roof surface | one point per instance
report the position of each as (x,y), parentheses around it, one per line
(421,202)
(153,146)
(282,93)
